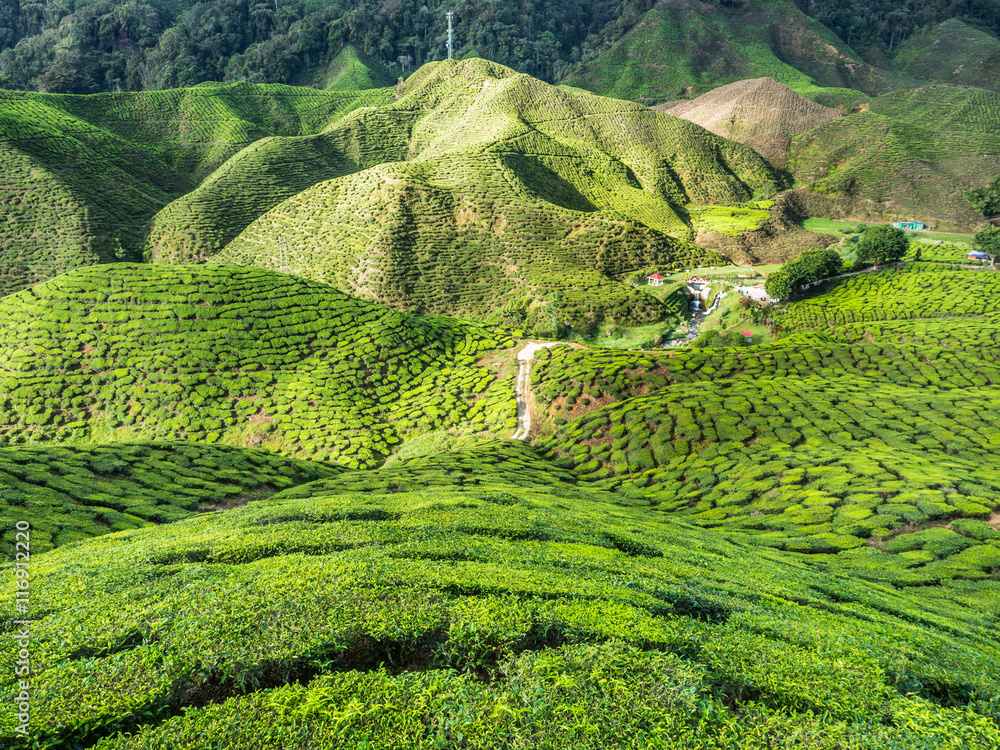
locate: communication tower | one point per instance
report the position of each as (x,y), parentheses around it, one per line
(451,47)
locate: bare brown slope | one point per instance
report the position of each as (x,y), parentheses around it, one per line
(778,239)
(760,113)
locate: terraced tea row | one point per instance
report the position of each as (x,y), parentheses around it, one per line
(486,617)
(916,290)
(70,493)
(468,468)
(242,356)
(869,435)
(794,459)
(942,354)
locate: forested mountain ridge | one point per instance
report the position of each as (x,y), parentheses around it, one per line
(73,46)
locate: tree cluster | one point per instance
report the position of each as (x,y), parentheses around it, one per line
(882,244)
(811,265)
(988,241)
(986,200)
(886,24)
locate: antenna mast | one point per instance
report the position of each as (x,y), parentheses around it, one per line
(450,36)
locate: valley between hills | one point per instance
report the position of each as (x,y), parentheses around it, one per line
(360,415)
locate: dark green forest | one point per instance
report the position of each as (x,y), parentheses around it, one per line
(885,24)
(75,46)
(80,46)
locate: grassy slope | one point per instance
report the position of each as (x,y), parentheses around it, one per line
(882,431)
(510,190)
(486,616)
(69,493)
(760,113)
(82,175)
(237,355)
(684,47)
(869,165)
(952,52)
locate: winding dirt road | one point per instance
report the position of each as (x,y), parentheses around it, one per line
(522,389)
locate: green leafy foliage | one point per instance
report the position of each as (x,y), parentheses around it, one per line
(953,52)
(677,49)
(82,176)
(882,244)
(823,443)
(810,266)
(479,188)
(241,356)
(481,616)
(988,241)
(986,199)
(69,493)
(900,167)
(909,292)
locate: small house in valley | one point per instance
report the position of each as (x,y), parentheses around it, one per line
(909,225)
(656,279)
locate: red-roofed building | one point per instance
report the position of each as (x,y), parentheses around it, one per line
(656,279)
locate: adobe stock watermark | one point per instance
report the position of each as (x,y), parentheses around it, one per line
(22,636)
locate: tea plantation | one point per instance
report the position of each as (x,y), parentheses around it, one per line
(272,495)
(69,493)
(915,168)
(82,175)
(487,616)
(492,189)
(240,356)
(683,47)
(878,433)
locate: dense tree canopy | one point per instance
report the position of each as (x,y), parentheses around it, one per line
(79,46)
(988,241)
(885,24)
(882,244)
(72,46)
(810,266)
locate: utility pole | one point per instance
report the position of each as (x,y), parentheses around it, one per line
(451,48)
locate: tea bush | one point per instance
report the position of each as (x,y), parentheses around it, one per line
(867,435)
(240,356)
(68,493)
(485,616)
(480,189)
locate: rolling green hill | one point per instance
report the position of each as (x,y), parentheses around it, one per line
(879,432)
(82,175)
(868,165)
(69,493)
(943,108)
(240,356)
(527,189)
(272,498)
(493,189)
(952,52)
(499,616)
(685,47)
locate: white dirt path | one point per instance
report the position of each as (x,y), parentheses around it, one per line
(522,389)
